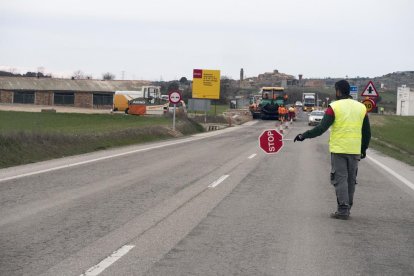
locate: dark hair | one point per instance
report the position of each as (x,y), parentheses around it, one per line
(343,87)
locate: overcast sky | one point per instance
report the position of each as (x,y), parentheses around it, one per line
(167,39)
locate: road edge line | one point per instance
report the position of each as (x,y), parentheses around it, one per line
(393,173)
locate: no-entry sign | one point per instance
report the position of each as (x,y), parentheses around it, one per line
(271,141)
(174,97)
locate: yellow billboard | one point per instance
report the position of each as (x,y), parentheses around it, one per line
(206,84)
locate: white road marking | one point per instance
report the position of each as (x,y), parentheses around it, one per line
(105,263)
(252,156)
(103,158)
(392,172)
(218,181)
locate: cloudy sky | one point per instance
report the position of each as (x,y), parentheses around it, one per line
(167,39)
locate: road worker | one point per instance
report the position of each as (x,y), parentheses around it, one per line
(349,140)
(282,113)
(291,113)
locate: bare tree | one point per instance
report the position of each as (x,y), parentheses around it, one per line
(78,75)
(13,70)
(41,69)
(108,76)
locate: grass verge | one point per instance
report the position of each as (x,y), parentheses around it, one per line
(32,137)
(393,135)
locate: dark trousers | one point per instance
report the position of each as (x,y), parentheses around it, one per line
(344,168)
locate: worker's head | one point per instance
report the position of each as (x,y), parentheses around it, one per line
(342,89)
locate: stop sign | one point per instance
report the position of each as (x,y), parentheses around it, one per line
(271,141)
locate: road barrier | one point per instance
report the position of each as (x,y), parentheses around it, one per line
(212,127)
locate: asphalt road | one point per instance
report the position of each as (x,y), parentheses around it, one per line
(211,204)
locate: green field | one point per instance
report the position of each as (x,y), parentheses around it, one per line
(393,135)
(388,101)
(72,123)
(27,137)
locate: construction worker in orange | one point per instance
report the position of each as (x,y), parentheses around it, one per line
(282,113)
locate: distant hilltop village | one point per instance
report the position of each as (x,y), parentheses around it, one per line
(390,81)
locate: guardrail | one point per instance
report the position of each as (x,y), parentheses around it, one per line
(212,127)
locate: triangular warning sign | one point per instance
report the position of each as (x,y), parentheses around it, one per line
(370,90)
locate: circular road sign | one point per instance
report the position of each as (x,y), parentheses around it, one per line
(175,97)
(369,104)
(270,141)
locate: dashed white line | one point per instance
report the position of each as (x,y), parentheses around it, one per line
(252,156)
(392,172)
(218,181)
(105,263)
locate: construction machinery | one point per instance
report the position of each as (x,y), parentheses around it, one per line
(266,104)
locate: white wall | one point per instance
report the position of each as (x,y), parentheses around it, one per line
(405,101)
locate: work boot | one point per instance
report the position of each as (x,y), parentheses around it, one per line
(337,215)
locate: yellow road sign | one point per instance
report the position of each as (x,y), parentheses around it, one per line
(206,84)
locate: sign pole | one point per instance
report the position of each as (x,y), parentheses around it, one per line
(205,110)
(175,98)
(215,108)
(174,117)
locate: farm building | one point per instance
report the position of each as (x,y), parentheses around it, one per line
(65,92)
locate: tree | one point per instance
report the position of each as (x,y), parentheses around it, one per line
(108,76)
(173,86)
(183,80)
(78,75)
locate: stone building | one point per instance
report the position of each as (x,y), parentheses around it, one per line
(65,92)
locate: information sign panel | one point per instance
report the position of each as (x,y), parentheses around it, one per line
(206,84)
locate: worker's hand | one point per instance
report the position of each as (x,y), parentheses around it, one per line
(363,154)
(299,138)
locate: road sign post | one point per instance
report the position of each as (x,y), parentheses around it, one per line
(271,141)
(369,104)
(174,97)
(370,90)
(354,92)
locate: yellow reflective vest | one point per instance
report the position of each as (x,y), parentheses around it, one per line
(346,131)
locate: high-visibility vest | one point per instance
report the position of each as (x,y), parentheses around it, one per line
(346,132)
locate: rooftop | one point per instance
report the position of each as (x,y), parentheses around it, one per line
(50,84)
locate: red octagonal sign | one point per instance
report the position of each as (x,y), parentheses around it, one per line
(271,141)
